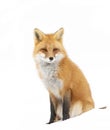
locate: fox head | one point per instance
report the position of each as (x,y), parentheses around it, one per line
(48,47)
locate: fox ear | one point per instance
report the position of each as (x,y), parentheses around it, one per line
(38,34)
(58,34)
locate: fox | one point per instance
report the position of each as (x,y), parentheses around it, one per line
(69,90)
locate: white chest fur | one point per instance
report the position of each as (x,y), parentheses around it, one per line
(50,79)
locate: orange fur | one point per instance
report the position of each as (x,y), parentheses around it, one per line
(68,72)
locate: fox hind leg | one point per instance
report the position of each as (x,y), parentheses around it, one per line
(76,109)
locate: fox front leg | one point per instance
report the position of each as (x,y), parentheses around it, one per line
(66,105)
(53,113)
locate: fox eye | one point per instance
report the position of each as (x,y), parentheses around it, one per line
(55,49)
(44,49)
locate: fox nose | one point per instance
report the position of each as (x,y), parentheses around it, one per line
(50,58)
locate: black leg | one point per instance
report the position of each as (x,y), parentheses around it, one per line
(66,105)
(53,113)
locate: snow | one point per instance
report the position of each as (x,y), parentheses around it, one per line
(24,101)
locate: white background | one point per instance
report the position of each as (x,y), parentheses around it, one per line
(24,102)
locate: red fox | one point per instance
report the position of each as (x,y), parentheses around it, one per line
(69,91)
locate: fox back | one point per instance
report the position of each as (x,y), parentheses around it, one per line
(68,88)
